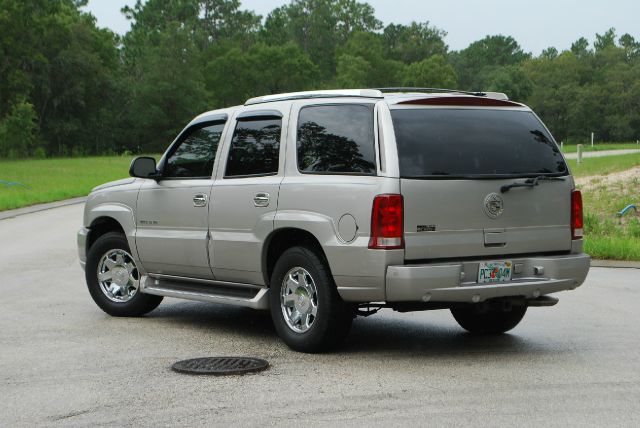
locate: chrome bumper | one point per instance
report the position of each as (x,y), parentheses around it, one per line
(456,282)
(82,246)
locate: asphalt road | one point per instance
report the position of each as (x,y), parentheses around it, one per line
(64,362)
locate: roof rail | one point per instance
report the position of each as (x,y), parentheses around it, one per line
(330,93)
(412,89)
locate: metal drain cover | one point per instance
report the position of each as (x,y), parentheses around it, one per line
(220,366)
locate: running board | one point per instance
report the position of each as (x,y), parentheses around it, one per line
(204,290)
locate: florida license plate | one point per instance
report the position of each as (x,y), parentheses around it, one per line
(489,272)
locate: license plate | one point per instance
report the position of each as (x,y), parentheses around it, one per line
(489,272)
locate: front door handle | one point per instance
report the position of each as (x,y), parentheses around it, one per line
(200,200)
(261,200)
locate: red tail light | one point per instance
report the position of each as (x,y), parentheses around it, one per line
(577,223)
(387,223)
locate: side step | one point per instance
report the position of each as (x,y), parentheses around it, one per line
(203,290)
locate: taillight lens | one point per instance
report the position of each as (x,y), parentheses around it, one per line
(577,223)
(387,223)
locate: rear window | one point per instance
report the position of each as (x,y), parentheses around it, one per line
(463,143)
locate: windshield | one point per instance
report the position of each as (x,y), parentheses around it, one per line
(461,143)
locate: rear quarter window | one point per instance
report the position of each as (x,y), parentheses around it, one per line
(450,143)
(336,139)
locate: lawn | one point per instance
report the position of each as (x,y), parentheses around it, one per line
(607,235)
(603,165)
(572,148)
(48,180)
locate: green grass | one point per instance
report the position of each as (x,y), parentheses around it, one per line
(604,165)
(608,236)
(56,179)
(572,148)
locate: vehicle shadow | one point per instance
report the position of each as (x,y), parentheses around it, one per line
(386,333)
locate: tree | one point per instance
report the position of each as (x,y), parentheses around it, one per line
(318,27)
(477,64)
(413,42)
(18,132)
(432,72)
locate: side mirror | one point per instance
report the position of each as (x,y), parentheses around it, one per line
(143,167)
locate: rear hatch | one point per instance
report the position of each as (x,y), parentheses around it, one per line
(455,163)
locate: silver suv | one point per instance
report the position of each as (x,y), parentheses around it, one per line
(324,205)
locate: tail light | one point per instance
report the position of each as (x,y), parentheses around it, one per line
(577,223)
(387,223)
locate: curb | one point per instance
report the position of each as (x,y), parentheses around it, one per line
(615,264)
(40,207)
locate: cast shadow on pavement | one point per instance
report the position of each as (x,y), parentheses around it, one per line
(382,333)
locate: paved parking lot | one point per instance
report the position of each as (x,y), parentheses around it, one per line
(64,362)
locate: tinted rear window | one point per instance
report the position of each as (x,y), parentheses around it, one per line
(336,139)
(442,143)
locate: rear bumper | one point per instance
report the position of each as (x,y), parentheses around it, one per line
(456,281)
(82,246)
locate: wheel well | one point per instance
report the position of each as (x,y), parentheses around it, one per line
(100,226)
(282,240)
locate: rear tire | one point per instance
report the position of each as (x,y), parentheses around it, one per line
(481,319)
(306,310)
(113,278)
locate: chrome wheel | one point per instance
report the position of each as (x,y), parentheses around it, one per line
(118,276)
(299,299)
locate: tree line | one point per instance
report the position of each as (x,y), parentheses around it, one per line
(69,88)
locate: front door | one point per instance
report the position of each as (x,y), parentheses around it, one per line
(172,223)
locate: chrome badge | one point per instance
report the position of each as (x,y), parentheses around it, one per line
(493,205)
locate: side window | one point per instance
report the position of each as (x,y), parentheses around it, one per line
(195,154)
(255,148)
(336,139)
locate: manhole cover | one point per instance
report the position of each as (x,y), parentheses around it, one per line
(220,366)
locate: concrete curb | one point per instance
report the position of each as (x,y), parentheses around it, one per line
(615,264)
(40,207)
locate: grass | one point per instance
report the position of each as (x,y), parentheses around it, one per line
(604,165)
(607,235)
(572,148)
(56,179)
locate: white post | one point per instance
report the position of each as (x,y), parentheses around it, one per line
(579,153)
(592,139)
(562,144)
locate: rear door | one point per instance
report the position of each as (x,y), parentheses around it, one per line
(455,163)
(244,198)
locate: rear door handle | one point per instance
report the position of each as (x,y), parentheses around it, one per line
(261,200)
(200,200)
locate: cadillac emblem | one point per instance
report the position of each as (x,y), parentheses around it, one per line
(493,205)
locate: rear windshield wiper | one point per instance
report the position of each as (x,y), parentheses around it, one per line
(529,182)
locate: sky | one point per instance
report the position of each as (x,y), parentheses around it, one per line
(536,25)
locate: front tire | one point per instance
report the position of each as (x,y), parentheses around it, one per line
(113,279)
(487,320)
(307,311)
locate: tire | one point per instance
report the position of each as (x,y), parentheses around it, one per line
(487,320)
(117,291)
(325,318)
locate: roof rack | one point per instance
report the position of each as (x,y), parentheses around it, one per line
(330,93)
(494,95)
